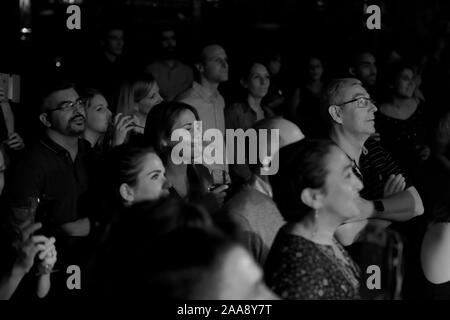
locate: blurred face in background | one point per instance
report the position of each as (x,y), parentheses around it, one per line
(98,114)
(315,69)
(150,100)
(214,67)
(258,81)
(405,83)
(275,65)
(114,42)
(365,69)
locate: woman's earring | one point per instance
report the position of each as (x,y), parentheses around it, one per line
(316,224)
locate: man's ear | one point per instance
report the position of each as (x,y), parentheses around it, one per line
(351,70)
(243,83)
(44,118)
(199,66)
(126,192)
(335,113)
(312,198)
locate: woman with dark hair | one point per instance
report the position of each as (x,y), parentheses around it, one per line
(190,180)
(316,191)
(137,174)
(401,121)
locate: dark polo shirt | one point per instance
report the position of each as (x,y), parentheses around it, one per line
(48,172)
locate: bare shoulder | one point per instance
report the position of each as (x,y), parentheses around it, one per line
(435,256)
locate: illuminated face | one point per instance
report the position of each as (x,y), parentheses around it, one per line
(98,114)
(215,64)
(66,112)
(258,81)
(151,182)
(150,100)
(358,117)
(341,190)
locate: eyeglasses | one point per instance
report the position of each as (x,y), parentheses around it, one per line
(68,106)
(361,102)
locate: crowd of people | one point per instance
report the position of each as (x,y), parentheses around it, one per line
(359,183)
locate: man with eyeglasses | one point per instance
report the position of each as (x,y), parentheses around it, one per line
(350,112)
(54,172)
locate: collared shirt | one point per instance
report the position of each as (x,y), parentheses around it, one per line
(375,166)
(171,80)
(210,108)
(48,172)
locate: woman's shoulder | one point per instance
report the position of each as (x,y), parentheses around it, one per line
(435,256)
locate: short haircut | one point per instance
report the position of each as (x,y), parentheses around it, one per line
(51,87)
(334,94)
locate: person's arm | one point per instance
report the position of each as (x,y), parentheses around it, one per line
(401,206)
(9,283)
(48,260)
(77,228)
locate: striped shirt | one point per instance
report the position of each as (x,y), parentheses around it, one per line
(376,165)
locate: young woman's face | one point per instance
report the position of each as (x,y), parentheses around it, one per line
(315,69)
(341,190)
(151,181)
(152,99)
(2,171)
(405,83)
(258,81)
(185,120)
(98,114)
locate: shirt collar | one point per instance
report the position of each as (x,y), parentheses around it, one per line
(56,148)
(262,186)
(203,92)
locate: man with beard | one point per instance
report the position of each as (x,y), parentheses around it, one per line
(53,175)
(173,76)
(363,67)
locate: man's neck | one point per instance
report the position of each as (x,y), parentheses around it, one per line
(91,136)
(67,142)
(169,62)
(351,144)
(211,87)
(111,57)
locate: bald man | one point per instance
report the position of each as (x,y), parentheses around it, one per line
(252,207)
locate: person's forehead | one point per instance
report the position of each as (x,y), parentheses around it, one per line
(366,58)
(168,34)
(64,95)
(214,52)
(115,33)
(258,68)
(239,262)
(353,91)
(99,99)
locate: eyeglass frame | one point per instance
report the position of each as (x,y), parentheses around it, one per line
(357,99)
(70,105)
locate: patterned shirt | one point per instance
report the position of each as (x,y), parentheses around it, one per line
(299,269)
